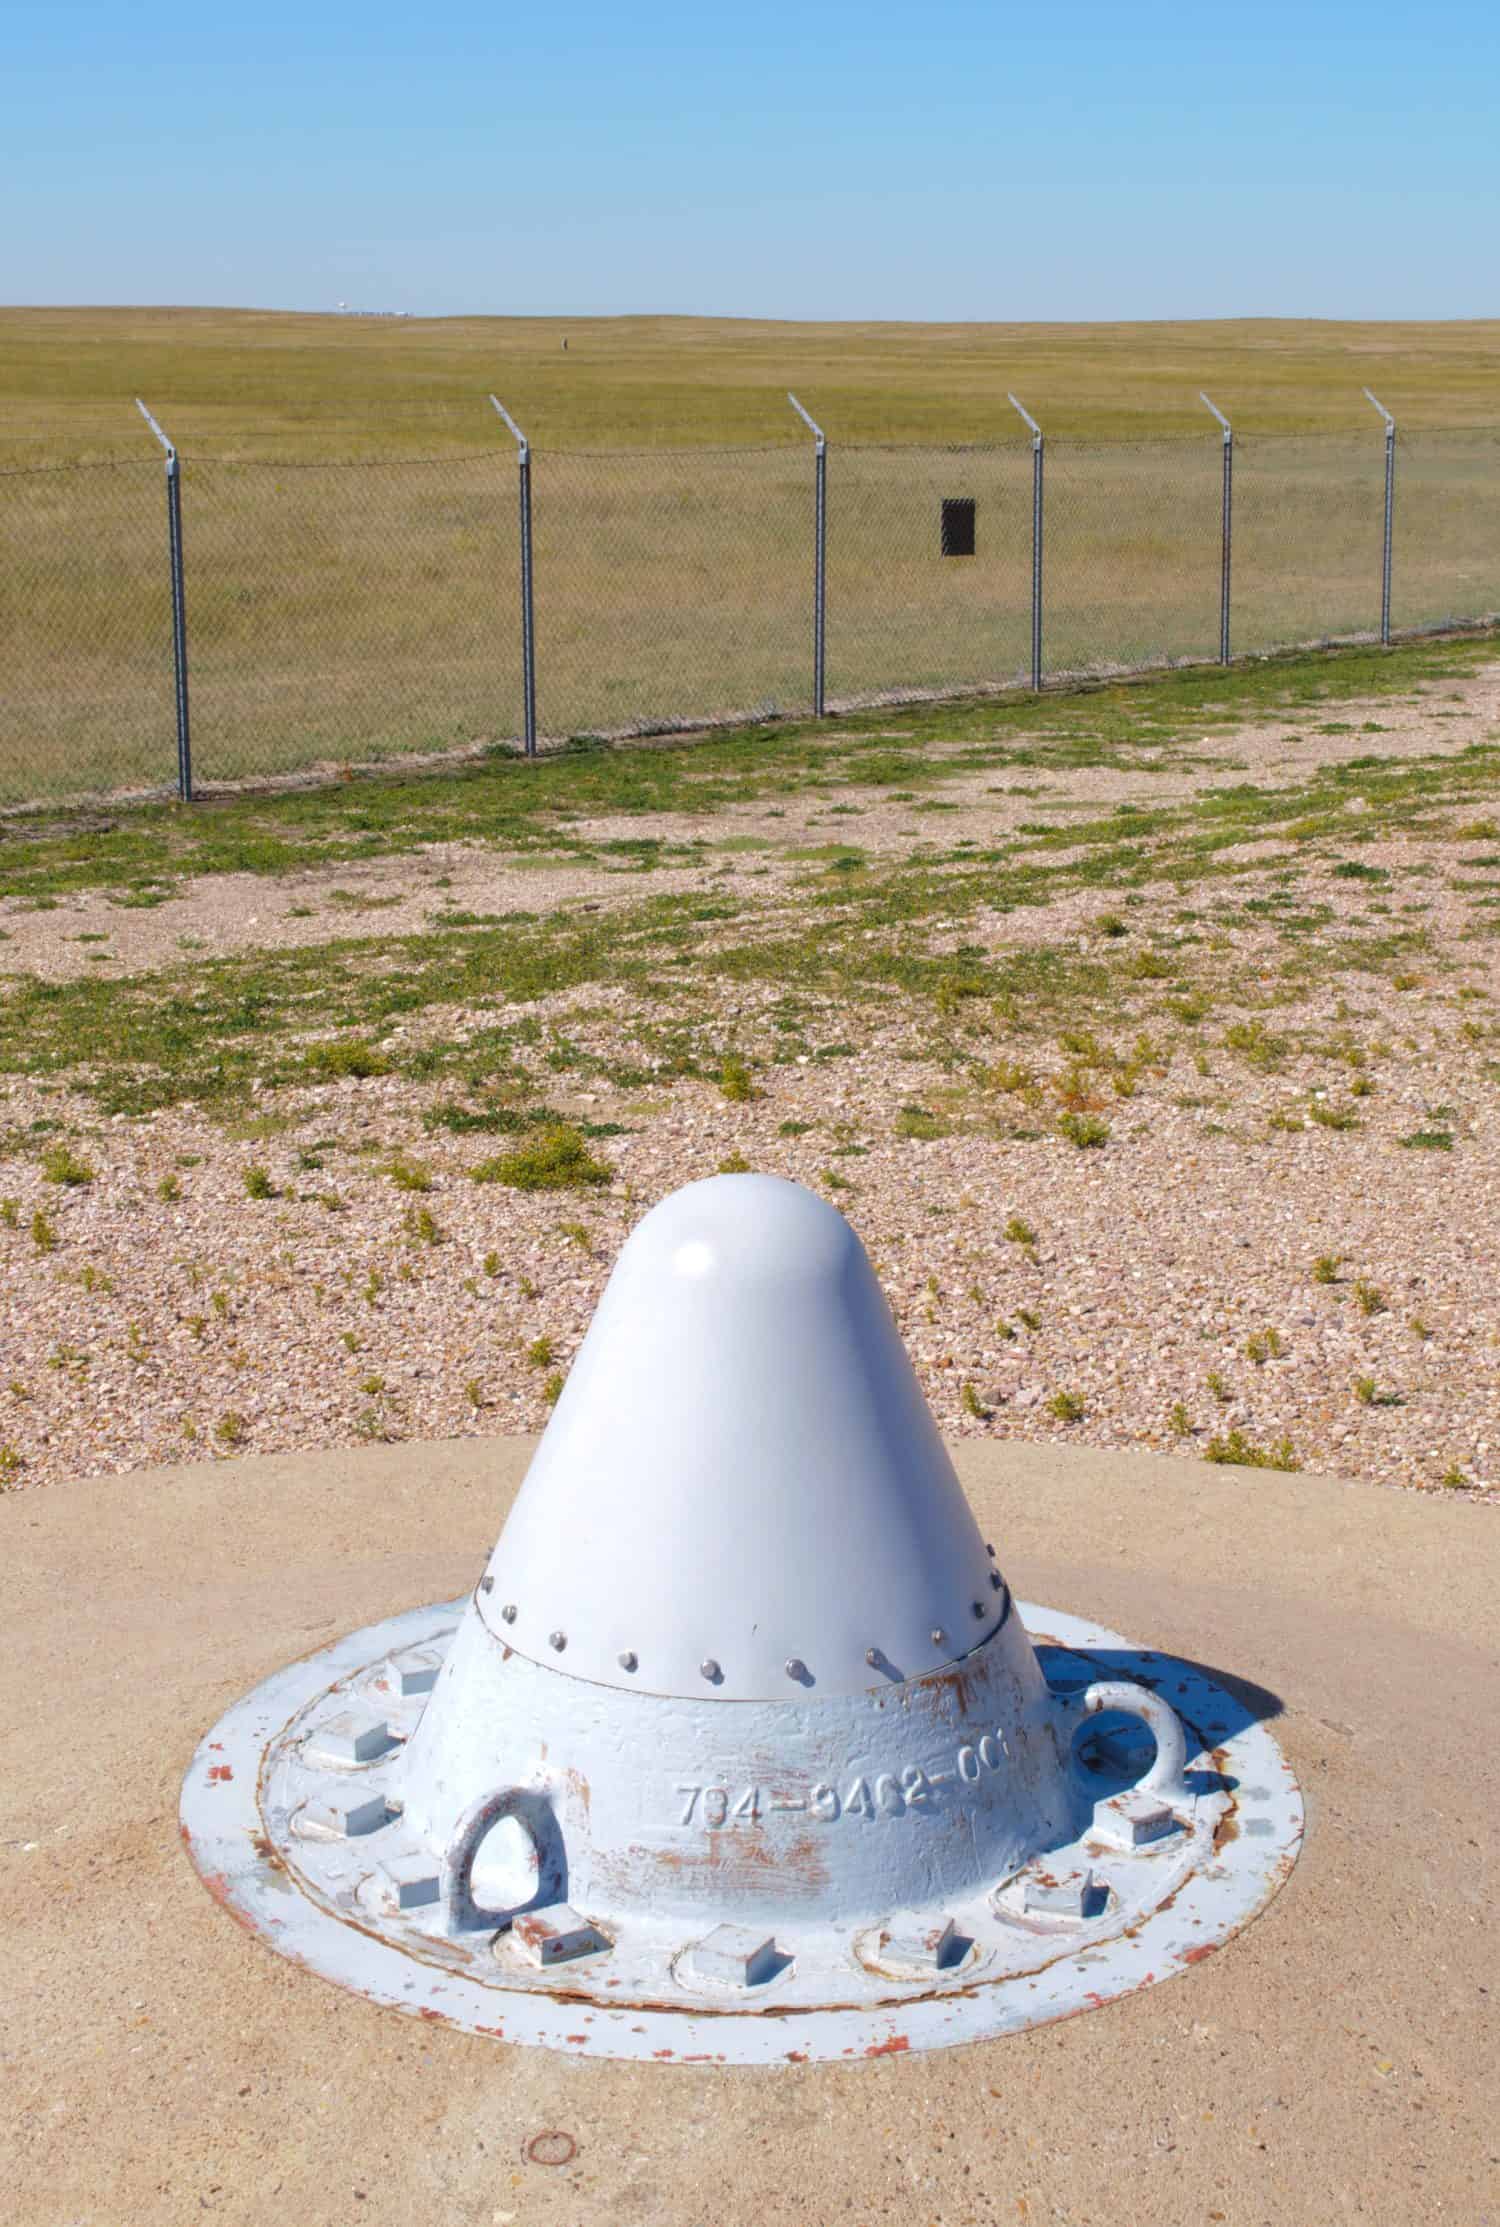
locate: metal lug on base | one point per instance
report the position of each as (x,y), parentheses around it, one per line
(732,1956)
(344,1817)
(556,1936)
(912,1945)
(415,1672)
(1072,1896)
(403,1883)
(1134,1820)
(348,1740)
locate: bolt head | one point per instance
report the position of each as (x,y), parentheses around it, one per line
(732,1956)
(414,1672)
(349,1738)
(557,1640)
(344,1817)
(1135,1820)
(509,1612)
(979,1610)
(710,1670)
(911,1944)
(486,1585)
(795,1667)
(1072,1896)
(939,1636)
(629,1660)
(404,1882)
(556,1936)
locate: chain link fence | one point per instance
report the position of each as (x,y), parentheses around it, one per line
(1307,540)
(341,615)
(902,617)
(349,613)
(1132,548)
(85,632)
(672,586)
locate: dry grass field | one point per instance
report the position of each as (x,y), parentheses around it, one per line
(352,543)
(250,382)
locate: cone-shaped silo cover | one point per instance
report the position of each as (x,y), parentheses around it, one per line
(741,1493)
(740,1749)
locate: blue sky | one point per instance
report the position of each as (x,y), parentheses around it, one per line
(870,161)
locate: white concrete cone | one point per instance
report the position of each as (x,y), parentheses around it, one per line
(740,1621)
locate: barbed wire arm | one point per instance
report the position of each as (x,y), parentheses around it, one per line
(1036,540)
(820,557)
(528,585)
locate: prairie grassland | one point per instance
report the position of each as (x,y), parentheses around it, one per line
(356,611)
(249,382)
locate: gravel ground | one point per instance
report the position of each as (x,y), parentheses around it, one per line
(224,913)
(1167,1296)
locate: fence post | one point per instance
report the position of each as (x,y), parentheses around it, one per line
(1226,528)
(1390,504)
(820,557)
(528,606)
(1036,543)
(179,607)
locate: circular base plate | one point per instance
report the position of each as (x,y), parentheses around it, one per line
(289,1826)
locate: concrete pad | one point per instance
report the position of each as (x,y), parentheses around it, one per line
(1339,2060)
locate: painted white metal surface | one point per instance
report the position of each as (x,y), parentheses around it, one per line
(834,1990)
(741,1493)
(740,1747)
(747,1811)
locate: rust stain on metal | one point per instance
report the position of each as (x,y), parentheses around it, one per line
(733,1856)
(220,1887)
(219,1773)
(580,1995)
(896,2046)
(745,1855)
(669,1859)
(1196,1955)
(1129,1932)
